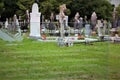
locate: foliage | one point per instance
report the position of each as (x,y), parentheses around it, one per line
(118,11)
(48,6)
(9,8)
(85,7)
(1,7)
(23,5)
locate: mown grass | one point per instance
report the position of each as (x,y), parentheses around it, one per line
(34,60)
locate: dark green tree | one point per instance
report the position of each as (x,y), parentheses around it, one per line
(86,7)
(23,5)
(9,8)
(118,11)
(48,6)
(1,7)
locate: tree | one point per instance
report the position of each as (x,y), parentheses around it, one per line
(118,11)
(23,5)
(103,8)
(48,6)
(9,8)
(1,7)
(86,7)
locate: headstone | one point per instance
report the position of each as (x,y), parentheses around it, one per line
(100,28)
(114,18)
(6,23)
(66,21)
(57,17)
(105,31)
(14,24)
(76,22)
(51,24)
(35,22)
(60,41)
(26,21)
(87,30)
(43,26)
(81,23)
(93,20)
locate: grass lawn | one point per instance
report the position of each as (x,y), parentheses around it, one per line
(34,60)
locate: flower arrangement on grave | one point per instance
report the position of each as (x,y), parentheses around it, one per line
(43,36)
(93,33)
(80,37)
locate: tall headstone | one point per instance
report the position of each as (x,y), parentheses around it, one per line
(66,21)
(6,23)
(35,22)
(93,20)
(87,30)
(99,25)
(114,18)
(76,22)
(14,24)
(51,24)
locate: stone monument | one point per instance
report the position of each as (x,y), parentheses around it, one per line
(99,26)
(35,22)
(114,18)
(87,30)
(93,20)
(66,21)
(62,19)
(76,20)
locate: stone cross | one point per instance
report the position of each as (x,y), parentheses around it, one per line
(61,19)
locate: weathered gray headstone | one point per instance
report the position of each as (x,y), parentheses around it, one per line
(6,23)
(66,21)
(87,30)
(100,28)
(93,21)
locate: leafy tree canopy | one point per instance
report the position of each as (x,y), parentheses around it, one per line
(85,7)
(118,11)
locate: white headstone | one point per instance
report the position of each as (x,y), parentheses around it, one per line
(57,17)
(66,21)
(99,25)
(35,22)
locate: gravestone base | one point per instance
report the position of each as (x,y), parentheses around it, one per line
(60,42)
(34,37)
(64,42)
(35,27)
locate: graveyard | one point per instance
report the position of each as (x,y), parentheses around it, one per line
(37,59)
(57,49)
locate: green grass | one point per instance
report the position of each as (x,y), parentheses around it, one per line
(34,60)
